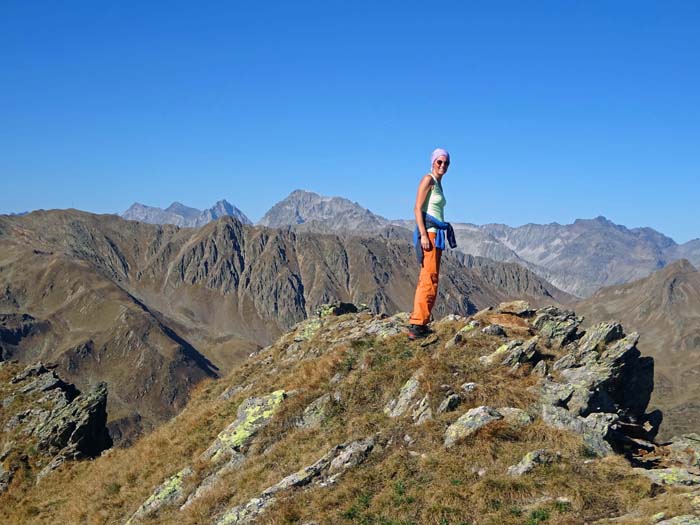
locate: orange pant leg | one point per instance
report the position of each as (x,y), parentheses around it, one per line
(426,291)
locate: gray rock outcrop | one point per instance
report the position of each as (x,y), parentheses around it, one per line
(605,383)
(470,422)
(60,423)
(325,471)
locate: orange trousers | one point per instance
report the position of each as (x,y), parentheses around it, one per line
(426,291)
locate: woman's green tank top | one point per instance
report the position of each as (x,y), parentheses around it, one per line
(435,203)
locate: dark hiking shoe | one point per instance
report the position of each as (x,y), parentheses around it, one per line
(418,331)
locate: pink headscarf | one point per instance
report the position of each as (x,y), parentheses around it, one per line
(439,152)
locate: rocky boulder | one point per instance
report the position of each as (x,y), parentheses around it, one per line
(44,414)
(469,423)
(603,386)
(78,428)
(560,326)
(252,414)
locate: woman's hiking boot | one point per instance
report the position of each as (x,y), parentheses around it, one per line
(418,331)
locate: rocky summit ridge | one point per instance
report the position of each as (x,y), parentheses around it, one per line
(512,415)
(322,214)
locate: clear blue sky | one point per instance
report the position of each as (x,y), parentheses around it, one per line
(552,110)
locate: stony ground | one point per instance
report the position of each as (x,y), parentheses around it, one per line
(511,416)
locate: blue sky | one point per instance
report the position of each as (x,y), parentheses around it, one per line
(552,110)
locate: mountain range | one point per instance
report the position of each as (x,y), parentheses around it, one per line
(154,309)
(578,258)
(183,216)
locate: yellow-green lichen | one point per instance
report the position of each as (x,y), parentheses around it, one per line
(325,310)
(466,328)
(308,330)
(252,418)
(168,492)
(242,513)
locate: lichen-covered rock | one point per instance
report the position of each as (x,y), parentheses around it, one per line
(252,415)
(470,326)
(307,329)
(555,394)
(533,459)
(557,325)
(422,412)
(169,492)
(33,370)
(566,361)
(522,353)
(541,369)
(328,469)
(515,416)
(519,308)
(61,424)
(598,336)
(339,308)
(351,455)
(409,391)
(685,449)
(429,340)
(591,430)
(450,318)
(605,384)
(498,355)
(50,381)
(314,413)
(670,476)
(631,379)
(469,423)
(468,388)
(618,379)
(245,513)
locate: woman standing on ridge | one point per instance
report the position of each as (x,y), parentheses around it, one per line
(429,241)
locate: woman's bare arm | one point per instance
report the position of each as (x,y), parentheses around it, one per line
(423,189)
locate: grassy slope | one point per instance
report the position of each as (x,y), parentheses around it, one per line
(399,483)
